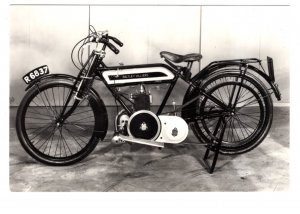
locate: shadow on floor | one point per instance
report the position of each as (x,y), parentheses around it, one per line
(175,168)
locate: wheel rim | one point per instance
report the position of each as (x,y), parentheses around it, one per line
(49,138)
(244,122)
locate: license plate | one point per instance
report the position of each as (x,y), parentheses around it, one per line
(36,73)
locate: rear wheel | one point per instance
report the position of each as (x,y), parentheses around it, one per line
(45,138)
(248,120)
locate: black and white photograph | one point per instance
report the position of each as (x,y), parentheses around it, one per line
(149,98)
(149,106)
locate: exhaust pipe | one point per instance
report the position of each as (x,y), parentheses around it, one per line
(118,138)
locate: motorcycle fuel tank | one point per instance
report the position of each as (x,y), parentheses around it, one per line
(137,75)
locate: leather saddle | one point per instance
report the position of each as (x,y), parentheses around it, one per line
(176,58)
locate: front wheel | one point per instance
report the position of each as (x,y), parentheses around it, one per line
(248,120)
(45,138)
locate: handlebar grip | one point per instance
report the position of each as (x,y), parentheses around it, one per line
(112,47)
(118,42)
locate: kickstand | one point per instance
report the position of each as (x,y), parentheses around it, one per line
(214,147)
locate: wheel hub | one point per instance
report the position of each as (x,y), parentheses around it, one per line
(59,123)
(230,113)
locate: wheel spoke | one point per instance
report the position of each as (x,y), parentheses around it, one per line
(79,126)
(50,106)
(236,131)
(37,113)
(247,103)
(253,117)
(76,133)
(71,134)
(43,129)
(85,118)
(236,117)
(36,118)
(46,93)
(54,100)
(242,95)
(63,98)
(65,143)
(82,112)
(50,114)
(48,136)
(51,144)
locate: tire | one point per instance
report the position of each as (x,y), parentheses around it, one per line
(249,122)
(59,144)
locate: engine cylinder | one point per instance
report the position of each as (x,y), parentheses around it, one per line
(141,102)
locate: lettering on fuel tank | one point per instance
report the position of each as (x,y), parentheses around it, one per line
(136,76)
(131,76)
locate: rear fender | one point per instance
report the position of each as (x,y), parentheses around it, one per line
(216,68)
(220,66)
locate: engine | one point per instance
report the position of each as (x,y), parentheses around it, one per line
(141,100)
(144,124)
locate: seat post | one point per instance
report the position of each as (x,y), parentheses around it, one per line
(189,66)
(187,71)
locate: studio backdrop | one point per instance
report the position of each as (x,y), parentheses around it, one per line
(46,34)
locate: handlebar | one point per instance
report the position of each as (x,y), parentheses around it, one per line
(102,37)
(112,47)
(118,42)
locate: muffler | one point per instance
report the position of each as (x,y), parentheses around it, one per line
(118,138)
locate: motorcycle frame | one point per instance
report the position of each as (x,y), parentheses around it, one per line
(178,72)
(96,67)
(95,72)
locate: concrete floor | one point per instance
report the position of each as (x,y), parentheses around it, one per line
(125,168)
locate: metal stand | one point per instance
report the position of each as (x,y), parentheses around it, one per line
(214,147)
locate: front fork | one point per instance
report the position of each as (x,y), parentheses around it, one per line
(86,80)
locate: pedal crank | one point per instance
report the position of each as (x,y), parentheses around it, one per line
(118,138)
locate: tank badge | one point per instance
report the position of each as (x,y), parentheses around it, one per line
(175,132)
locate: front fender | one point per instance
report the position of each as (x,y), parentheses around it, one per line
(54,76)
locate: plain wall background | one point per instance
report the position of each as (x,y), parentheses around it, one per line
(46,35)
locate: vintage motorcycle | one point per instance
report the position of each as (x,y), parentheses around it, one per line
(227,105)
